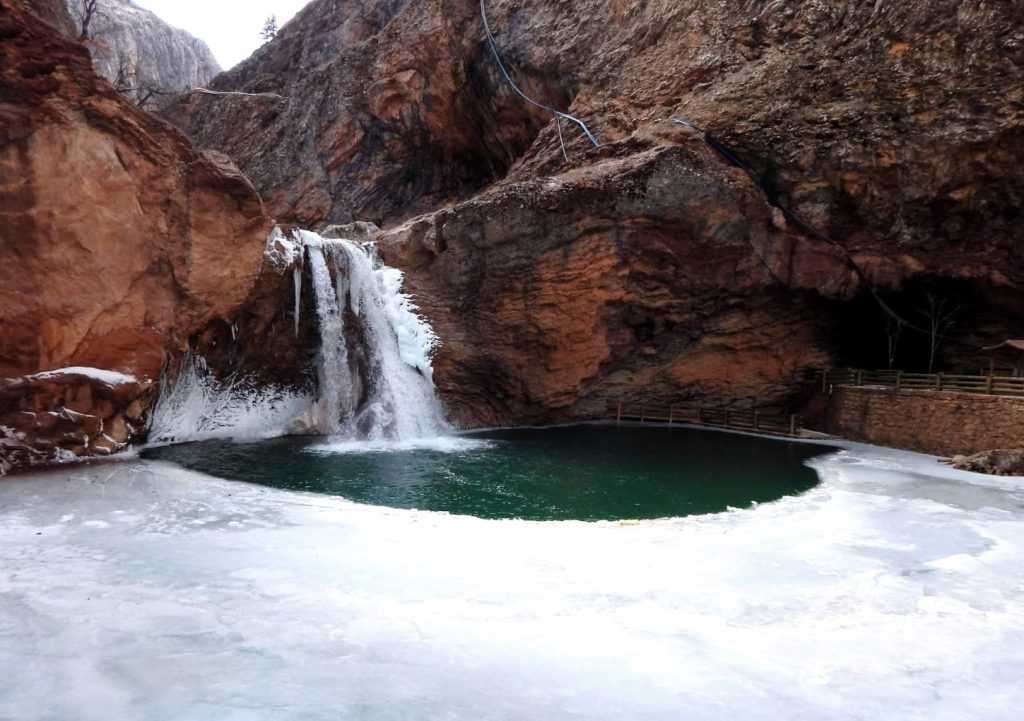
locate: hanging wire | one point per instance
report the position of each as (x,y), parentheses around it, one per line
(561,142)
(508,78)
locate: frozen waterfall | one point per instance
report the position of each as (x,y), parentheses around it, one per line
(375,377)
(373,374)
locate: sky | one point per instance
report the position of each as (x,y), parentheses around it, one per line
(230,27)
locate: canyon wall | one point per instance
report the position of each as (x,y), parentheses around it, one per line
(147,59)
(120,243)
(658,276)
(560,274)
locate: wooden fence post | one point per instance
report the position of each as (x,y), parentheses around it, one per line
(899,379)
(671,412)
(643,410)
(792,425)
(938,382)
(860,377)
(988,384)
(618,415)
(727,417)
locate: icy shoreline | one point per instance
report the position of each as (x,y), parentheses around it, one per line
(137,590)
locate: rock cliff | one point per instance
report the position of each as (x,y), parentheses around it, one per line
(560,274)
(120,243)
(147,58)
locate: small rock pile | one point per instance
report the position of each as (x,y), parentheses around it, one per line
(60,416)
(999,462)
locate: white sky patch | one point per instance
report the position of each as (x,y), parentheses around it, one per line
(230,27)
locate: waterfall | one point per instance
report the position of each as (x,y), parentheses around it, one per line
(335,379)
(384,389)
(374,379)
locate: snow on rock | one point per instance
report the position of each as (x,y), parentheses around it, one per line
(136,590)
(107,377)
(280,253)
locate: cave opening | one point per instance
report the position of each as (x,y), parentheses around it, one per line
(936,325)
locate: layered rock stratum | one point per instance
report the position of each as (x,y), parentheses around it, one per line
(561,275)
(120,242)
(147,58)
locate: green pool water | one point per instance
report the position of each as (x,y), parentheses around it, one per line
(584,472)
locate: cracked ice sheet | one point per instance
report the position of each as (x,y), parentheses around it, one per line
(137,590)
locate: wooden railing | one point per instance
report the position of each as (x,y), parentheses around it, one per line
(744,420)
(987,384)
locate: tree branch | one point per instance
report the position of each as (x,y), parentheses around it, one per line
(204,91)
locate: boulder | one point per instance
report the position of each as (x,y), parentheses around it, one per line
(1000,462)
(121,241)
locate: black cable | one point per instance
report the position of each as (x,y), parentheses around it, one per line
(524,96)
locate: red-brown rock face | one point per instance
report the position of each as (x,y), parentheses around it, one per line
(897,122)
(658,276)
(650,267)
(120,241)
(367,110)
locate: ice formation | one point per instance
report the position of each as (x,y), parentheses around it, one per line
(377,387)
(197,406)
(136,590)
(383,389)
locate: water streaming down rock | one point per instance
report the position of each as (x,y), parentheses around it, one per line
(335,379)
(373,377)
(374,365)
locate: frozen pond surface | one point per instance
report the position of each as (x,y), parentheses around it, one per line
(583,472)
(138,590)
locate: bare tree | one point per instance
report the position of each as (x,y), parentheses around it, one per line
(147,95)
(144,93)
(893,328)
(939,316)
(269,28)
(124,81)
(87,11)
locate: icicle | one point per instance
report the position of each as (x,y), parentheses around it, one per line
(297,283)
(196,406)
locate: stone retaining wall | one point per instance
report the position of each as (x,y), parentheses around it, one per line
(941,423)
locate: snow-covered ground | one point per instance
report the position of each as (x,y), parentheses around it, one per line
(136,590)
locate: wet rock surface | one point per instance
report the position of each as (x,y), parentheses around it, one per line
(629,280)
